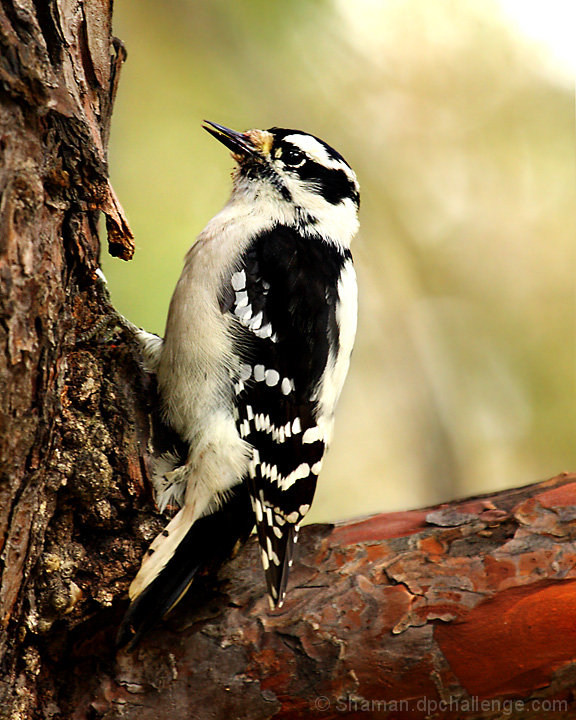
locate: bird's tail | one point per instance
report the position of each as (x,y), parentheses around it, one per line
(277,548)
(177,554)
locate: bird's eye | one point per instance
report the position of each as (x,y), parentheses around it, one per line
(293,157)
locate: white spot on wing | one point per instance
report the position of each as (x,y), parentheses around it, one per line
(241,299)
(256,321)
(265,561)
(272,377)
(311,435)
(244,313)
(264,332)
(238,280)
(302,471)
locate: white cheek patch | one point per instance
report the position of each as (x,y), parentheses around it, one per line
(337,224)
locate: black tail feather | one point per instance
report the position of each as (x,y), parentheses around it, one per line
(283,549)
(208,543)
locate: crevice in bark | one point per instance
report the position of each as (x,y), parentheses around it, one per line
(50,30)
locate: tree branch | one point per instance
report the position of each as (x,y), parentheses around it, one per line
(470,602)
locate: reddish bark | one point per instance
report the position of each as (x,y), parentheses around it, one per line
(471,603)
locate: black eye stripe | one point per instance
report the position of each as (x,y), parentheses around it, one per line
(334,185)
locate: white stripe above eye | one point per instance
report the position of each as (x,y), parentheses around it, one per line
(317,152)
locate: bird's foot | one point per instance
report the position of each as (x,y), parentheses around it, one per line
(105,328)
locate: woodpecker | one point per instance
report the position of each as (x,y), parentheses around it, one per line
(257,346)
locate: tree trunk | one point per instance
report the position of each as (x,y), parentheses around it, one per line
(72,417)
(386,617)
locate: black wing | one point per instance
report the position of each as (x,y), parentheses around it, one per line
(283,296)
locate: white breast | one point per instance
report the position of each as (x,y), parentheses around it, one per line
(197,360)
(194,368)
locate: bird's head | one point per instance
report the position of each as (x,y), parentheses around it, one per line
(299,175)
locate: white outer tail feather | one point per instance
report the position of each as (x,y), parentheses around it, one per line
(163,547)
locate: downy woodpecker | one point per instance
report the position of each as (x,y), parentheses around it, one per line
(257,346)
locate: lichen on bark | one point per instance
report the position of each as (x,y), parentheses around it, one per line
(73,418)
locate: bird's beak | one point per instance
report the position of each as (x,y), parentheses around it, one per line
(240,143)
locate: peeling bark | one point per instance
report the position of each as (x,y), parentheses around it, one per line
(466,610)
(469,602)
(73,426)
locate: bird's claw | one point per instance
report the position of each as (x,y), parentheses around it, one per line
(112,319)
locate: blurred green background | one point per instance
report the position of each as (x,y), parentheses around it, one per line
(459,122)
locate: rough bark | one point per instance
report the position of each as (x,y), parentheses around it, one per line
(469,602)
(466,610)
(72,420)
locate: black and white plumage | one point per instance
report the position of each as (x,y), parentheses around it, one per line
(257,346)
